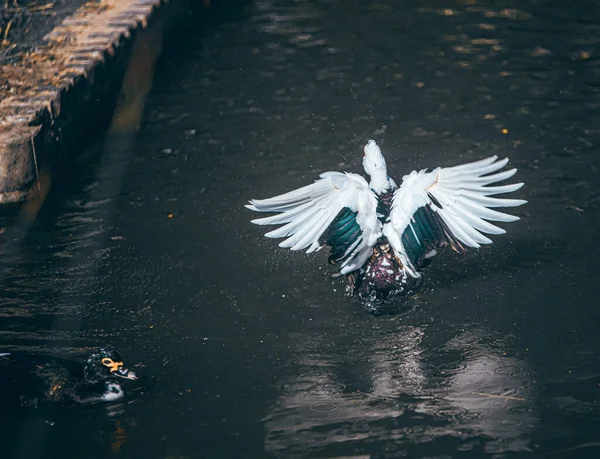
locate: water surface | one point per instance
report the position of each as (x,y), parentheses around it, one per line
(247,350)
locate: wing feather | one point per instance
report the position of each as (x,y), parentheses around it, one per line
(338,210)
(448,206)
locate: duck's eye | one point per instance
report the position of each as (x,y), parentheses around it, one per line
(110,363)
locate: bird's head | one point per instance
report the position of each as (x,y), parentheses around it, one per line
(373,160)
(106,364)
(374,164)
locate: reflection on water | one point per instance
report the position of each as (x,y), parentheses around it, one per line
(473,397)
(495,392)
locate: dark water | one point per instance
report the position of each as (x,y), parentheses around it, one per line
(248,351)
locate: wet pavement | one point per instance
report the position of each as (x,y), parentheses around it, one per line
(247,350)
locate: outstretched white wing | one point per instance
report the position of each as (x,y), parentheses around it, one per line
(339,210)
(448,206)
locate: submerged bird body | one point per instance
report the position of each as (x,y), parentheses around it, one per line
(382,275)
(98,379)
(382,235)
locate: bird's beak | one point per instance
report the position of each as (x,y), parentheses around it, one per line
(124,373)
(118,369)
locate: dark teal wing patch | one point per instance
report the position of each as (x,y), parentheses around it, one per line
(426,232)
(343,233)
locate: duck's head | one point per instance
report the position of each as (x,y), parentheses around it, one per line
(373,160)
(374,164)
(106,364)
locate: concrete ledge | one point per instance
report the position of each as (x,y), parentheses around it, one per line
(55,96)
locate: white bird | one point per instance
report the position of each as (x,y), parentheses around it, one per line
(383,236)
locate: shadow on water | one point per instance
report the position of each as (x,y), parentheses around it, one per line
(246,350)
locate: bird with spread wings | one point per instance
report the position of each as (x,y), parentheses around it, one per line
(382,235)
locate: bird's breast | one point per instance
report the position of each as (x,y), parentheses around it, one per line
(382,273)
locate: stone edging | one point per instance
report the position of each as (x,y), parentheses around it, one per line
(72,75)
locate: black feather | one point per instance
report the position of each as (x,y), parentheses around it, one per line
(341,234)
(427,231)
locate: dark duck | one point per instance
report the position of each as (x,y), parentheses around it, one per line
(99,378)
(383,236)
